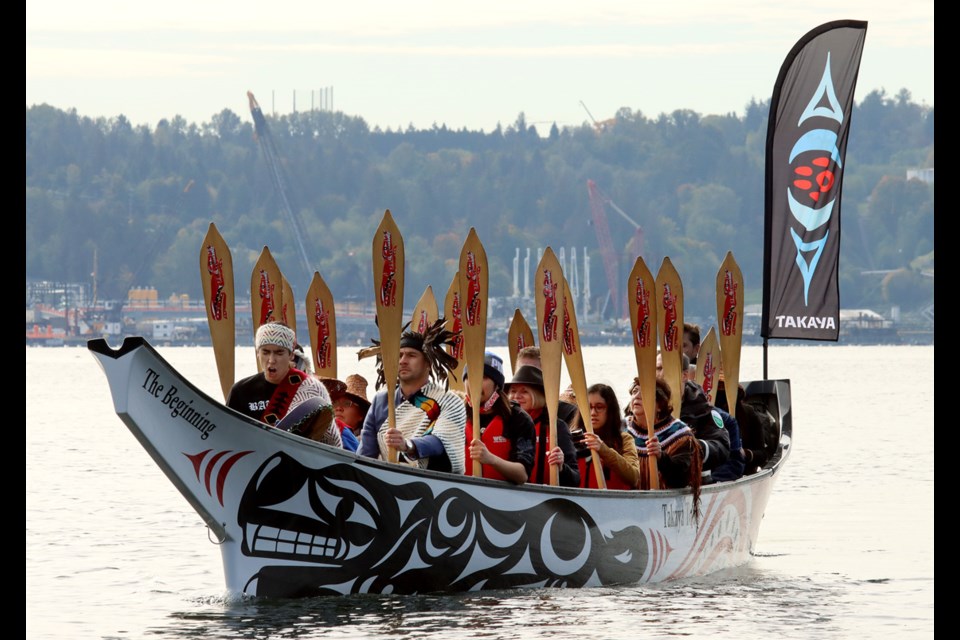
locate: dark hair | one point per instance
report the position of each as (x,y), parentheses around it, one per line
(609,431)
(664,396)
(694,331)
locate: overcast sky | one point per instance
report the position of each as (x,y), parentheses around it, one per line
(425,62)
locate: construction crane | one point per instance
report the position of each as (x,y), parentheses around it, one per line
(611,259)
(269,148)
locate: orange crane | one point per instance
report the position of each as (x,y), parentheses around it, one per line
(611,259)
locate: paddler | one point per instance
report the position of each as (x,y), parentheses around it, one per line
(506,445)
(278,388)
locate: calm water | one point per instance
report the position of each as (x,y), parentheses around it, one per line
(845,548)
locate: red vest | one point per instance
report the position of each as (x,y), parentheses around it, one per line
(540,451)
(492,436)
(588,477)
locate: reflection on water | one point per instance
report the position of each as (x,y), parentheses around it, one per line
(845,548)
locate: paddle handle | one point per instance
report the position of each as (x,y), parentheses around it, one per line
(477,467)
(652,467)
(392,454)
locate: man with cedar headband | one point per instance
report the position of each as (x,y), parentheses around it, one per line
(430,419)
(506,445)
(268,396)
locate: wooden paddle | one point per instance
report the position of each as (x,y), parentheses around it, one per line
(643,322)
(708,365)
(425,313)
(519,335)
(451,311)
(388,262)
(670,330)
(216,276)
(550,294)
(473,275)
(322,323)
(573,357)
(730,322)
(266,292)
(288,309)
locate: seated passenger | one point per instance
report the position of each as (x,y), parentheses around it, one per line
(269,395)
(733,467)
(429,418)
(526,389)
(616,448)
(350,405)
(758,429)
(708,426)
(505,448)
(566,407)
(672,444)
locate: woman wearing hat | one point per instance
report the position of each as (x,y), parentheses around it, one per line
(526,389)
(349,400)
(505,447)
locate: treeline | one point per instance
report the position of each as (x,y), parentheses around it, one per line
(142,198)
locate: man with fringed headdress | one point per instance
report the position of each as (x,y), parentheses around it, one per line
(430,419)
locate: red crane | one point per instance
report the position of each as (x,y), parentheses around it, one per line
(611,258)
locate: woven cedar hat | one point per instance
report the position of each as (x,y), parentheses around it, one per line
(334,387)
(356,390)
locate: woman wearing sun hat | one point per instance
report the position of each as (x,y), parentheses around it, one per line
(526,389)
(349,405)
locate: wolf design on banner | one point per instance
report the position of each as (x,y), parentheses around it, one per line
(806,144)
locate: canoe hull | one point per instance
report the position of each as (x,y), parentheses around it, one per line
(298,518)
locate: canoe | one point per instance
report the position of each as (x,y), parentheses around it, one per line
(296,518)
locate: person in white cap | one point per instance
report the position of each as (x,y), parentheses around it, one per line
(269,395)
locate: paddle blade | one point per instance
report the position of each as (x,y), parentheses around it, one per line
(388,263)
(266,292)
(451,311)
(322,323)
(670,317)
(425,313)
(288,306)
(708,365)
(519,335)
(550,295)
(216,277)
(573,357)
(641,287)
(473,275)
(730,322)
